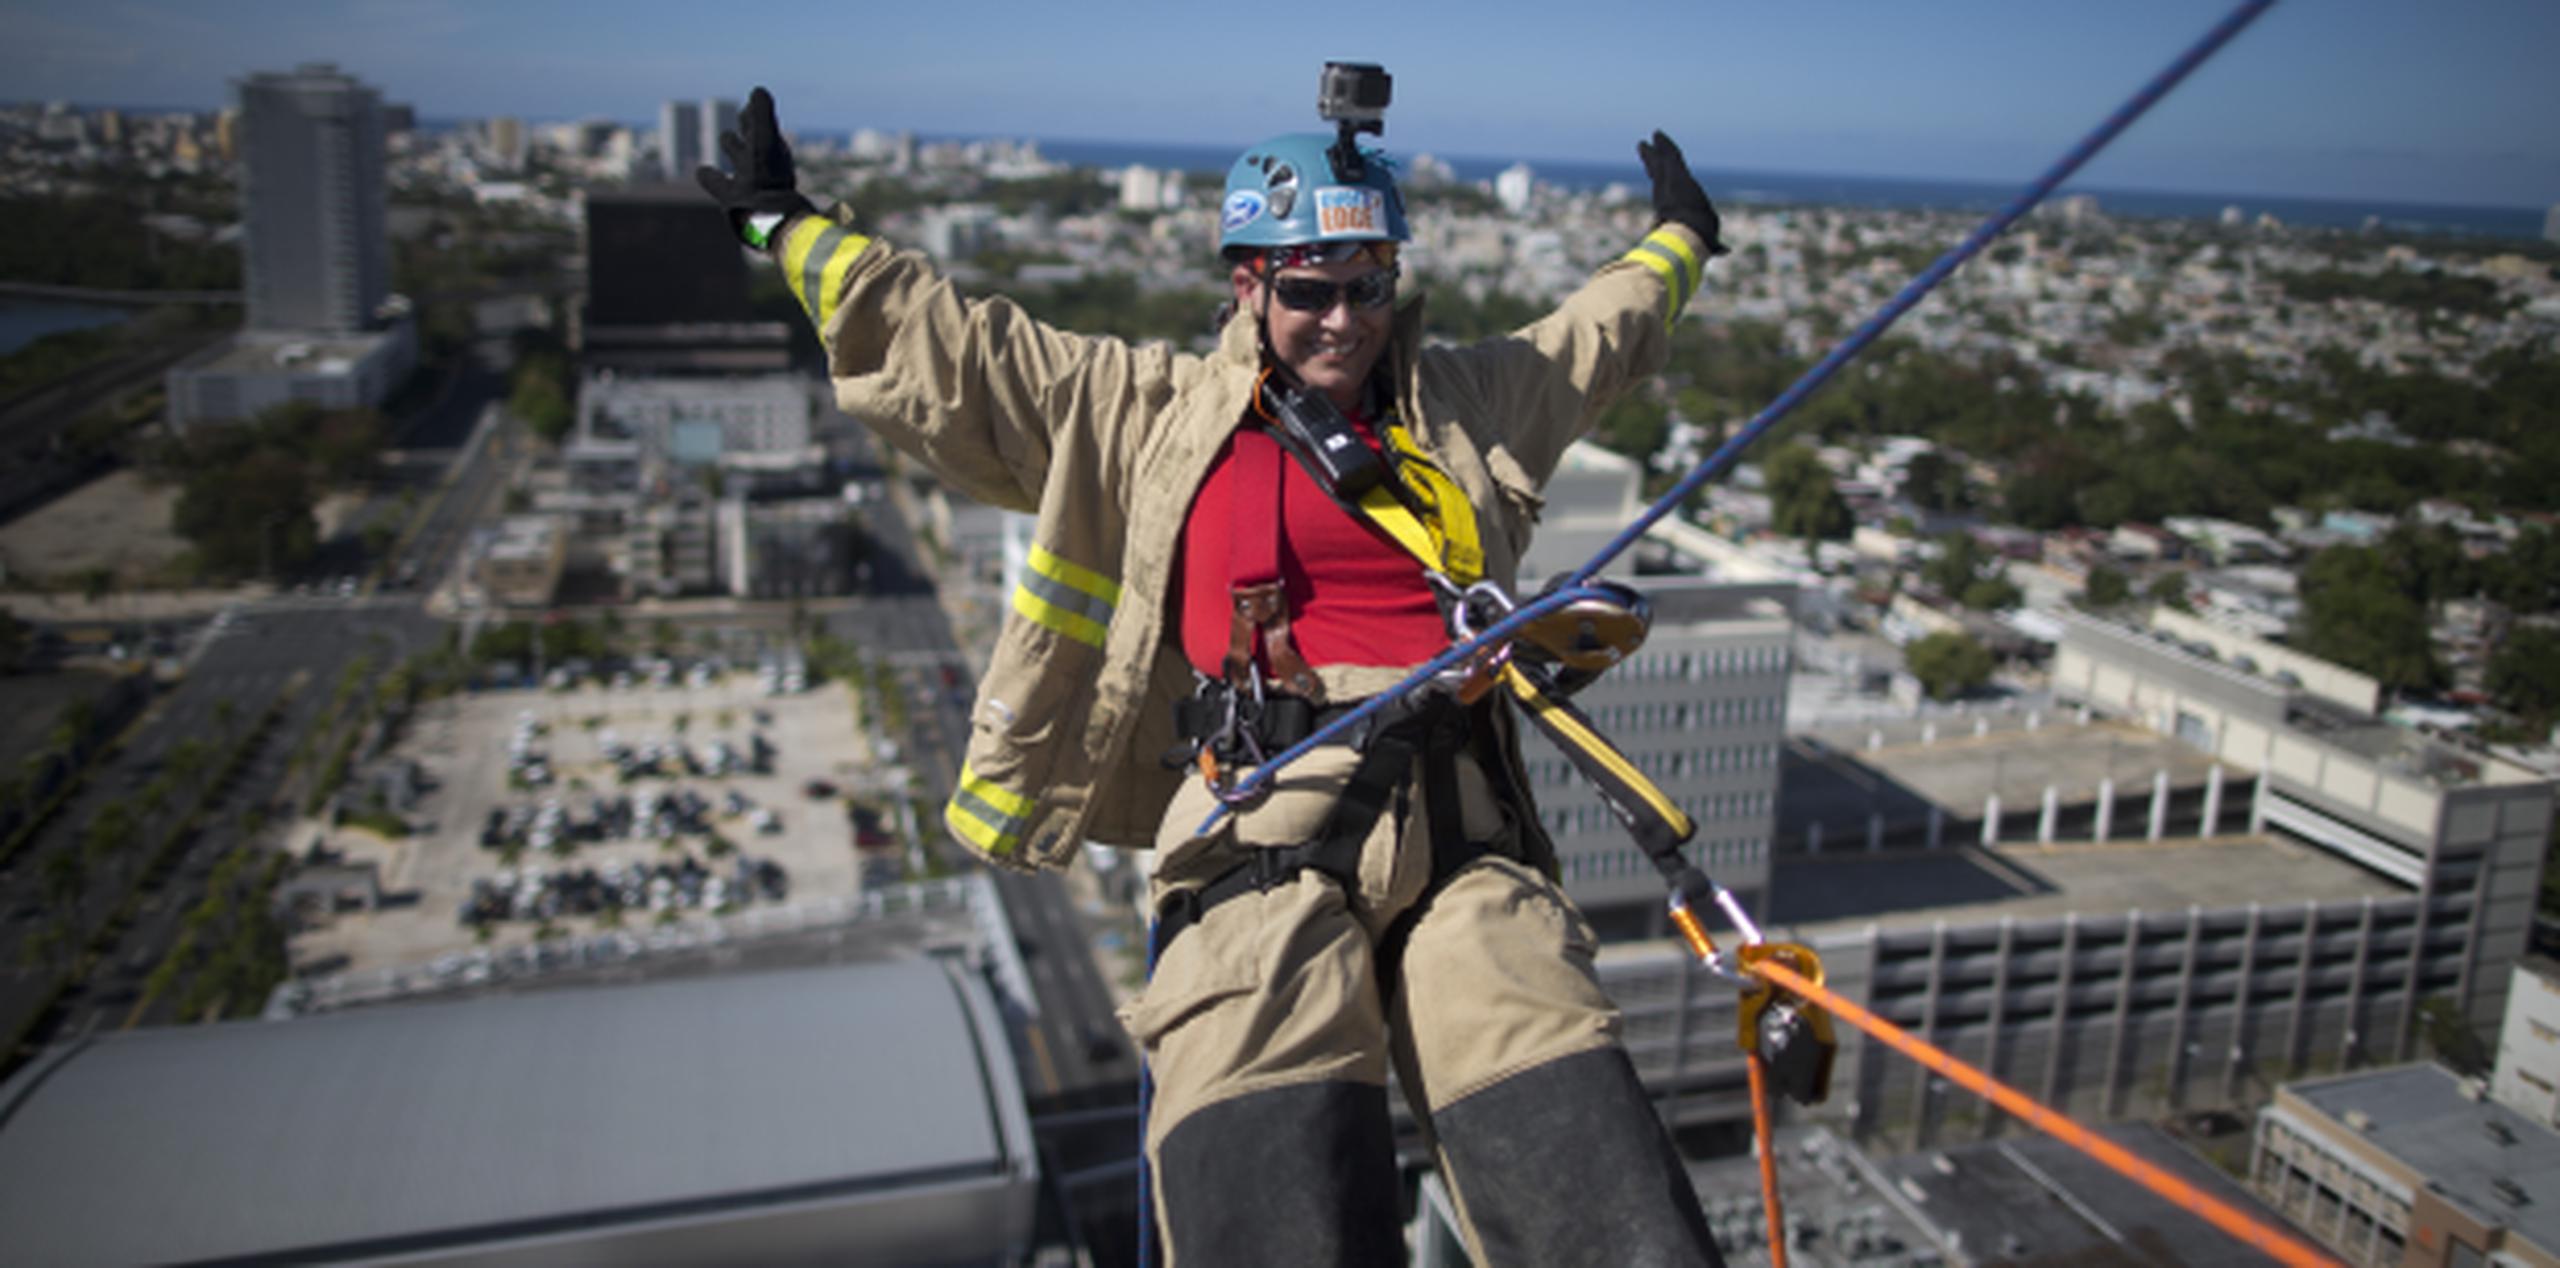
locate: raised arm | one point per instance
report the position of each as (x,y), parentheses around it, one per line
(1556,375)
(976,389)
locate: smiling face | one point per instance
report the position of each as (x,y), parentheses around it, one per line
(1332,350)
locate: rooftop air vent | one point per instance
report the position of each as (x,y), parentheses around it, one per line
(2359,1120)
(2510,1190)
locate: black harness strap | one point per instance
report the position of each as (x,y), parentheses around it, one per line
(1435,735)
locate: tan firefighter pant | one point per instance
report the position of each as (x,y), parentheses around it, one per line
(1281,987)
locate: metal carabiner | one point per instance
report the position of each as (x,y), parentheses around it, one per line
(1236,732)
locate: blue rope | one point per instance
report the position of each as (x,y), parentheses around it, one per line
(1575,586)
(1919,287)
(1147,1257)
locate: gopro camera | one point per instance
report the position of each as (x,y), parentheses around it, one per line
(1353,97)
(1355,93)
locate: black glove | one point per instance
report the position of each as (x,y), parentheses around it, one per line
(1676,195)
(763,184)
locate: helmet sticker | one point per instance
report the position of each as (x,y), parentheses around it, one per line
(1344,210)
(1243,208)
(1284,189)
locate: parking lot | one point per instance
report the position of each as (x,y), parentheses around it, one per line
(576,810)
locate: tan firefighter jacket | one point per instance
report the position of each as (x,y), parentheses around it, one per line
(1106,442)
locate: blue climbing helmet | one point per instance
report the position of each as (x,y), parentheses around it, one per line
(1286,192)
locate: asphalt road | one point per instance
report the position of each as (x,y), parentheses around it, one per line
(247,665)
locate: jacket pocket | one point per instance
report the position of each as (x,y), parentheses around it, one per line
(1196,974)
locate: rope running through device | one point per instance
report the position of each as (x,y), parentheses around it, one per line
(1784,1030)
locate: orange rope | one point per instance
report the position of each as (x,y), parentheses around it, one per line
(2277,1245)
(1768,1138)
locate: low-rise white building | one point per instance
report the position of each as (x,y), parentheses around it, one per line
(2527,1079)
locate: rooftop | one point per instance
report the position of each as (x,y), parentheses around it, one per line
(2465,1145)
(277,352)
(1959,772)
(1846,892)
(439,1126)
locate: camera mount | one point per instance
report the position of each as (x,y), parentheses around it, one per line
(1354,97)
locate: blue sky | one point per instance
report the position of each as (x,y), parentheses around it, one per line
(2355,99)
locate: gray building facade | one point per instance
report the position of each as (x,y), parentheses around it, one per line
(317,249)
(2358,877)
(324,328)
(1701,708)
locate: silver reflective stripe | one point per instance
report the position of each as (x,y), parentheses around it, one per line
(813,271)
(1006,826)
(1059,594)
(1681,290)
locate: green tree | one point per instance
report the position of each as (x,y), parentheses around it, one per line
(249,515)
(2361,613)
(2106,588)
(65,880)
(2524,676)
(1948,664)
(1635,425)
(1934,483)
(540,394)
(2169,589)
(111,833)
(2526,576)
(2429,562)
(346,446)
(1970,575)
(1804,502)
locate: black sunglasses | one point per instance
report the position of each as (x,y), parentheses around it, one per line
(1317,295)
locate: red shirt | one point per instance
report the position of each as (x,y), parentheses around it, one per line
(1355,596)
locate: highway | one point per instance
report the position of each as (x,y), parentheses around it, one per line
(247,665)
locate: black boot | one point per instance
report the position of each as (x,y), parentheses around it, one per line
(1294,1177)
(1566,1163)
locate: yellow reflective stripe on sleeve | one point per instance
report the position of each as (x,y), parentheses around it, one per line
(816,253)
(1665,253)
(1075,575)
(985,814)
(1069,598)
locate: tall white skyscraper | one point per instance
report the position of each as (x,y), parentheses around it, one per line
(318,249)
(680,138)
(2551,223)
(718,116)
(689,134)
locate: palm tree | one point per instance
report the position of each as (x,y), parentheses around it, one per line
(154,795)
(66,879)
(190,757)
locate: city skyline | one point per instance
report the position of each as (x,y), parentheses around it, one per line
(2351,100)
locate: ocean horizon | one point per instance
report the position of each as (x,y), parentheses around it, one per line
(1747,187)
